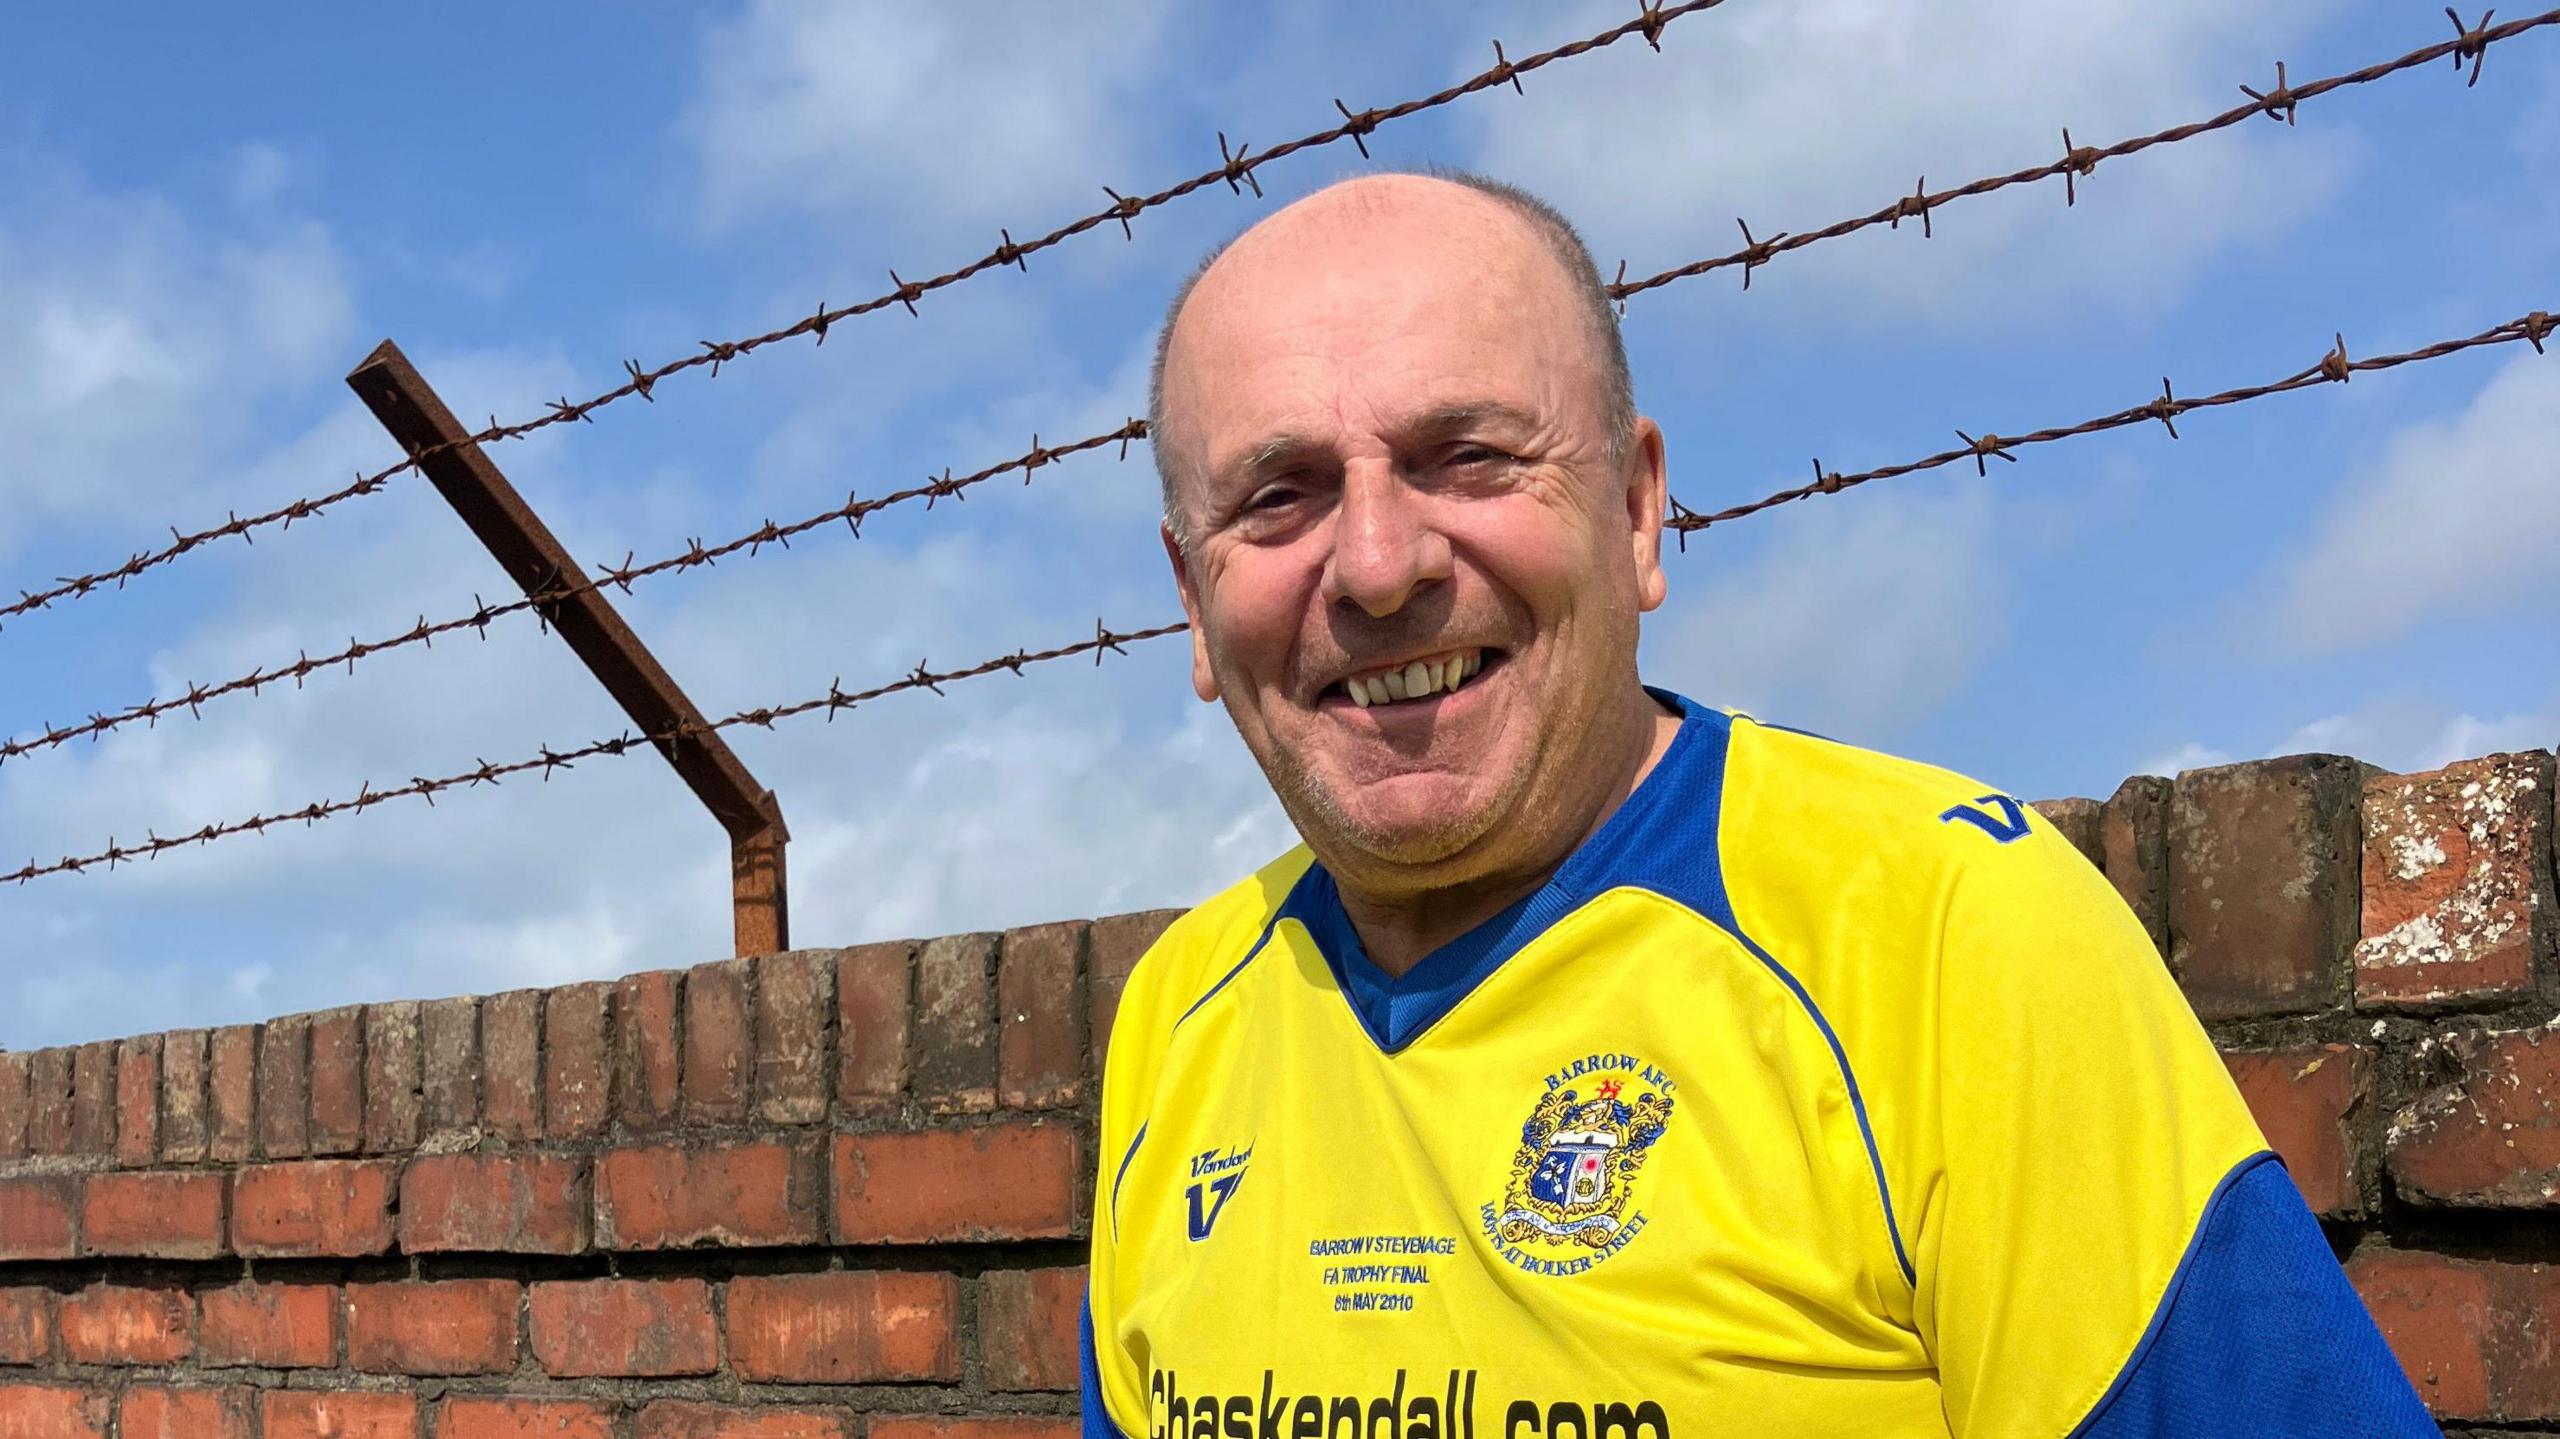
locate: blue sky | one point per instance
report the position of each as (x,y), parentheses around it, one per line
(193,254)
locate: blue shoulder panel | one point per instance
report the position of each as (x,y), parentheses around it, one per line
(2260,1335)
(1097,1419)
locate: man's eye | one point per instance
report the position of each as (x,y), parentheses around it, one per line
(1475,455)
(1275,497)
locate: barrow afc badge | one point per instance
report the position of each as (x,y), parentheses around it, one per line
(1569,1201)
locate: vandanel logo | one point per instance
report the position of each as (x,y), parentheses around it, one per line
(1569,1201)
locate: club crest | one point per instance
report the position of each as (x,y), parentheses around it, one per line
(1568,1202)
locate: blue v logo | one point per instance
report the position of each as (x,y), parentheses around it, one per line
(2009,824)
(1210,1199)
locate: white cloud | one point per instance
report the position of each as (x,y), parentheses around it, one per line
(2457,517)
(1796,115)
(921,116)
(135,343)
(2401,734)
(1860,615)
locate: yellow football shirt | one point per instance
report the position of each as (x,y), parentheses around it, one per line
(1818,1093)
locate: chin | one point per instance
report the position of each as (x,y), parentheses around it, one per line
(1398,835)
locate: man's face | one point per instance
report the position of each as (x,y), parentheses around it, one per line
(1392,436)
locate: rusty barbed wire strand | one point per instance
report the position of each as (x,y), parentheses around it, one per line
(1236,171)
(2334,367)
(2470,43)
(834,701)
(694,555)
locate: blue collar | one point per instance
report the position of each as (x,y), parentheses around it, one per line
(1663,838)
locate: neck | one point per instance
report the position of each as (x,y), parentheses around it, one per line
(1398,928)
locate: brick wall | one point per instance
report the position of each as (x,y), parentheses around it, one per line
(840,1194)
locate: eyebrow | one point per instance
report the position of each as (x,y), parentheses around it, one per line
(1430,424)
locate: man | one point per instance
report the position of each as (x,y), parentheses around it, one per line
(1606,1066)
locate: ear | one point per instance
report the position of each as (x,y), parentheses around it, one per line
(1648,491)
(1204,682)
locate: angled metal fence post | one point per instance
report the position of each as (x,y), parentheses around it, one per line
(579,612)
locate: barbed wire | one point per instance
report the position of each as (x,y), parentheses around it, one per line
(834,701)
(544,599)
(2334,367)
(1236,173)
(2469,43)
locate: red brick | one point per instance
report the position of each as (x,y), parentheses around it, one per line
(118,1324)
(494,1204)
(2080,821)
(2457,884)
(794,992)
(299,1414)
(625,1328)
(394,1082)
(13,1106)
(158,1215)
(2311,1103)
(183,1129)
(268,1326)
(1040,1013)
(26,1325)
(53,1411)
(845,1327)
(667,1197)
(1009,1181)
(93,1098)
(511,1064)
(924,1426)
(138,1101)
(494,1418)
(49,1102)
(1112,950)
(2477,1338)
(954,1064)
(2491,1136)
(449,1064)
(232,1086)
(1030,1328)
(36,1213)
(719,1043)
(577,1060)
(155,1412)
(284,1087)
(336,1208)
(682,1419)
(649,1072)
(2263,859)
(2133,835)
(873,983)
(444,1326)
(337,1081)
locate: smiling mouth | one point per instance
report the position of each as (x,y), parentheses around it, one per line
(1415,680)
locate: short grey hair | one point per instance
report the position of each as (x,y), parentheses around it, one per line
(1563,242)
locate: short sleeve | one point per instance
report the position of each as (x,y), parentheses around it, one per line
(2109,1250)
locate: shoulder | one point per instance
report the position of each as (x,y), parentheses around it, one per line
(1802,809)
(1196,950)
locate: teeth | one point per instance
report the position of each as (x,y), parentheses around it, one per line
(1417,680)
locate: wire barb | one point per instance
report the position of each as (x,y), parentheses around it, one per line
(2280,103)
(2472,43)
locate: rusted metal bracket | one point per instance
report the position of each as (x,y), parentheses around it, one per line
(516,537)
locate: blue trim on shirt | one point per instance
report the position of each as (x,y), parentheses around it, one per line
(1230,974)
(1097,1417)
(2260,1335)
(1123,1173)
(1663,839)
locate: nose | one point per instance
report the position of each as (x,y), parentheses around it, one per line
(1385,548)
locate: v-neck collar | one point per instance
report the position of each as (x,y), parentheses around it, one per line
(1667,823)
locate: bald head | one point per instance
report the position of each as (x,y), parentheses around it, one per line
(1450,227)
